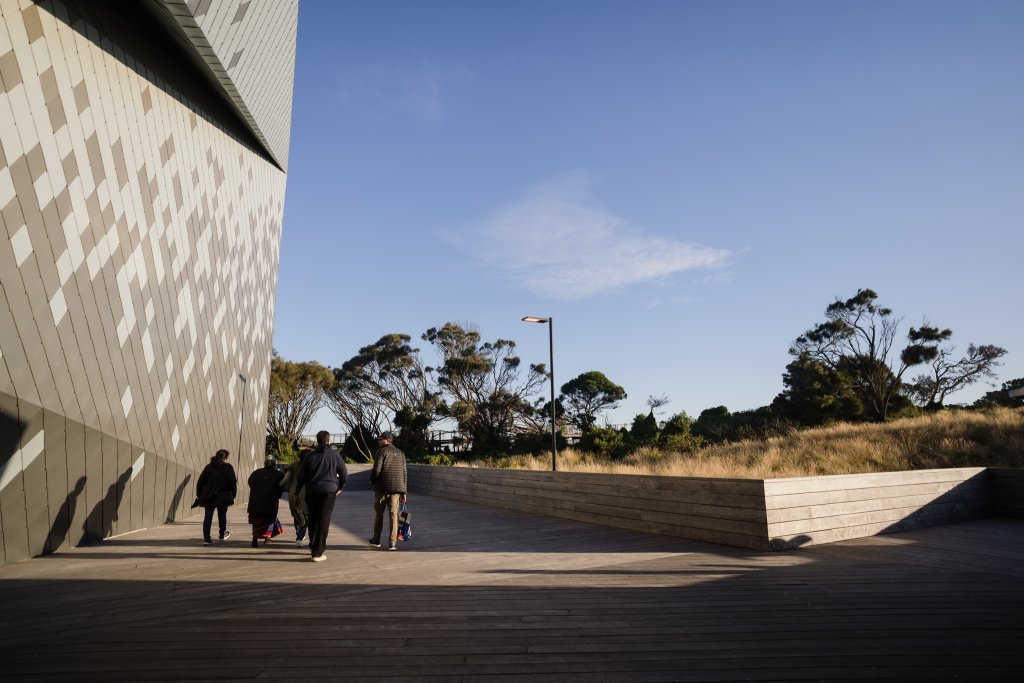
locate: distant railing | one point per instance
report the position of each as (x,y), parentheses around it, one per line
(454,441)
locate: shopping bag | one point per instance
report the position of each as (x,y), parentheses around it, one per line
(404,524)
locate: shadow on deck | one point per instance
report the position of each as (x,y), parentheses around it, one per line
(487,594)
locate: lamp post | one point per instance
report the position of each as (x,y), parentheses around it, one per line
(551,347)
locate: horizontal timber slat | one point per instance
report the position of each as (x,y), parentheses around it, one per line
(773,513)
(614,482)
(888,515)
(851,532)
(605,514)
(810,510)
(806,509)
(774,487)
(790,500)
(709,505)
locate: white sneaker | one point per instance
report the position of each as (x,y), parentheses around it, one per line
(298,544)
(322,558)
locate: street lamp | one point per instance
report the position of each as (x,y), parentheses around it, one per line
(551,346)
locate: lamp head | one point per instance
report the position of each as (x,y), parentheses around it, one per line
(534,319)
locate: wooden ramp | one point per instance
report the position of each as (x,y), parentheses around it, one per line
(482,594)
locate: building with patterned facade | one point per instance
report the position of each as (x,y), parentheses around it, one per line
(143,157)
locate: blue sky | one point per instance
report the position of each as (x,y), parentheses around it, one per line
(684,186)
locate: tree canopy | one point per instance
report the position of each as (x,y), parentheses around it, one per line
(296,392)
(859,339)
(815,394)
(385,384)
(587,395)
(946,376)
(1001,396)
(483,387)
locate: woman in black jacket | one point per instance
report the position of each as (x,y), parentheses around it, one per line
(216,490)
(264,495)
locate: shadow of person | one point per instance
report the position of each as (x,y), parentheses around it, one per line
(97,526)
(62,522)
(176,499)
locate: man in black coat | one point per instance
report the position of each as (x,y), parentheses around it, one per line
(389,480)
(322,474)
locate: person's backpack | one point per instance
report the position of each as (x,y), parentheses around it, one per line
(211,485)
(404,524)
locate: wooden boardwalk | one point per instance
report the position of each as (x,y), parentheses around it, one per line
(489,595)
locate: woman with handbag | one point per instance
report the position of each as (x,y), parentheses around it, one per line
(264,495)
(216,490)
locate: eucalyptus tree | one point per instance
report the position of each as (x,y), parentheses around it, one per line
(297,391)
(385,385)
(859,340)
(587,395)
(946,375)
(485,389)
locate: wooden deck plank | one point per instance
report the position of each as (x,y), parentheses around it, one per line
(484,594)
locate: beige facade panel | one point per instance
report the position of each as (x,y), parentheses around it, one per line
(140,225)
(247,47)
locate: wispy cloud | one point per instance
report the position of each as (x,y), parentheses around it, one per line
(557,241)
(414,91)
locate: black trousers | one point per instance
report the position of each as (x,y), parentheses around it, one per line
(222,519)
(320,505)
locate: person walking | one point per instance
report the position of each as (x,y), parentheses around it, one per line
(264,496)
(322,475)
(296,501)
(216,490)
(389,479)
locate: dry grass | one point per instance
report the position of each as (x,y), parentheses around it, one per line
(947,439)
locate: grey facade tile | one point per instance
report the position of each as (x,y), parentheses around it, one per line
(36,503)
(59,502)
(122,490)
(36,164)
(14,520)
(33,24)
(180,168)
(78,508)
(13,524)
(94,489)
(108,446)
(10,73)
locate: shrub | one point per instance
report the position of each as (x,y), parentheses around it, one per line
(284,452)
(437,459)
(644,431)
(605,441)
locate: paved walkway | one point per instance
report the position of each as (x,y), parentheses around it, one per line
(482,594)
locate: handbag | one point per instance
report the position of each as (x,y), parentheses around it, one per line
(404,524)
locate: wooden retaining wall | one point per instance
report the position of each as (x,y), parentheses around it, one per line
(814,510)
(771,514)
(727,511)
(1007,491)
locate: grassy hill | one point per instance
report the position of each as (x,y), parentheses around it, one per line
(947,439)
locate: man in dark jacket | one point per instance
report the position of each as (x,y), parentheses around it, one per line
(389,481)
(322,474)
